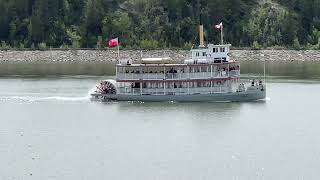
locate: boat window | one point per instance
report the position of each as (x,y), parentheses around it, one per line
(197,54)
(144,85)
(204,54)
(184,85)
(217,60)
(120,70)
(215,50)
(222,49)
(204,69)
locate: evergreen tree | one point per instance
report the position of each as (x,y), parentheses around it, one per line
(154,23)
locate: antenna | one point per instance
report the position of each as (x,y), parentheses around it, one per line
(264,72)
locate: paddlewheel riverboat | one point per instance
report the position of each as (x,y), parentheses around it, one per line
(210,75)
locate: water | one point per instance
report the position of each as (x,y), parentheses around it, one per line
(50,130)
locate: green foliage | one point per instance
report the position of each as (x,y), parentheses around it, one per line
(158,24)
(149,44)
(32,46)
(267,26)
(117,24)
(4,45)
(296,44)
(42,45)
(187,46)
(74,38)
(256,45)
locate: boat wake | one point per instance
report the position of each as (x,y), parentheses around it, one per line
(27,98)
(60,98)
(31,99)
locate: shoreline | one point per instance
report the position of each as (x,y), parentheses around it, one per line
(107,55)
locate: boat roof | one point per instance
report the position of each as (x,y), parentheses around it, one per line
(158,60)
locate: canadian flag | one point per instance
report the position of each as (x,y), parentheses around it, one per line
(219,26)
(113,42)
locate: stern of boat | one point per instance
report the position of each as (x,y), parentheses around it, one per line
(106,90)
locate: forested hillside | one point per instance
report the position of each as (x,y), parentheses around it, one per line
(158,23)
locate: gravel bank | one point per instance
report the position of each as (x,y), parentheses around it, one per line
(111,55)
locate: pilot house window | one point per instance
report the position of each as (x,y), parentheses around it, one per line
(197,54)
(215,50)
(222,49)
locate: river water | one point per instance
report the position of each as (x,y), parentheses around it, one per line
(49,129)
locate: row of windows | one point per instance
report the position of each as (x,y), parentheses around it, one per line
(191,69)
(215,50)
(179,84)
(203,54)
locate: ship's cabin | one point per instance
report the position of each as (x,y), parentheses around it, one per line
(157,76)
(210,54)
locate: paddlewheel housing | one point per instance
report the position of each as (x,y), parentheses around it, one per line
(107,87)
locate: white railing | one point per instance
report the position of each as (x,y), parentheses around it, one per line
(234,73)
(198,75)
(129,76)
(127,90)
(175,91)
(153,76)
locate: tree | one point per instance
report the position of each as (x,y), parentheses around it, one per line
(296,44)
(117,24)
(165,23)
(92,22)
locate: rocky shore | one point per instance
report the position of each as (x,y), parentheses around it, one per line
(178,55)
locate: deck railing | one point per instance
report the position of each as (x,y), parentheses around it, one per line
(234,73)
(171,76)
(172,91)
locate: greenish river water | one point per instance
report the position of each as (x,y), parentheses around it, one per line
(49,129)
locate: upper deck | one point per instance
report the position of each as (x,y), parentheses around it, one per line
(206,63)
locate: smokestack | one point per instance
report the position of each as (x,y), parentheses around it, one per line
(201,33)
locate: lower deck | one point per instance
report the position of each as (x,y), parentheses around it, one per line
(178,87)
(252,94)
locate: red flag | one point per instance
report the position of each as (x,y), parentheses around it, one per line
(113,42)
(219,26)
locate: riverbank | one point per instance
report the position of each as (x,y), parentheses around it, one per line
(178,55)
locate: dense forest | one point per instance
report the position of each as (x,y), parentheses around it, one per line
(158,23)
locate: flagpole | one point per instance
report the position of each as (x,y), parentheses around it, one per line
(221,35)
(118,52)
(264,72)
(220,26)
